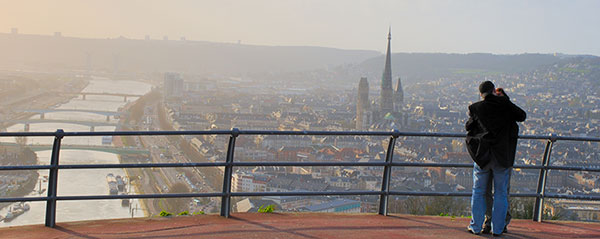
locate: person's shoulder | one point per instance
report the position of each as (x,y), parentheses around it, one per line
(503,98)
(476,105)
(497,100)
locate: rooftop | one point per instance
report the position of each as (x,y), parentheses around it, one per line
(304,225)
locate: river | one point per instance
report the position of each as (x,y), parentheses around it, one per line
(81,182)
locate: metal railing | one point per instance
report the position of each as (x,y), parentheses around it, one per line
(229,163)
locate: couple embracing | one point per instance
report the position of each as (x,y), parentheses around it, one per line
(492,134)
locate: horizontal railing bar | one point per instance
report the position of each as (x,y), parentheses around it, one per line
(307,132)
(417,193)
(24,167)
(254,164)
(527,166)
(23,199)
(305,193)
(142,165)
(27,134)
(149,133)
(574,168)
(273,132)
(578,197)
(269,164)
(450,165)
(572,138)
(295,193)
(457,165)
(523,195)
(468,194)
(533,136)
(433,134)
(138,196)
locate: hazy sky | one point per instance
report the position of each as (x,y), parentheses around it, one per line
(502,26)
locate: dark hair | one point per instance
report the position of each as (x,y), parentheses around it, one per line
(486,87)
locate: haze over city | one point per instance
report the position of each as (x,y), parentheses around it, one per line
(500,27)
(291,106)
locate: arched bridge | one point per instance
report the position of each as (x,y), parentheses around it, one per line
(84,94)
(100,148)
(27,122)
(42,112)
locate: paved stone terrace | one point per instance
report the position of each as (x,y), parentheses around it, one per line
(307,225)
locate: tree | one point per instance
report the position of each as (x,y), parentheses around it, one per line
(522,208)
(21,141)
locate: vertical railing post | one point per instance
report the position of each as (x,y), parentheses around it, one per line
(226,198)
(538,208)
(53,179)
(387,172)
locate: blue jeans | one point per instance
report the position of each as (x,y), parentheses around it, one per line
(489,200)
(478,205)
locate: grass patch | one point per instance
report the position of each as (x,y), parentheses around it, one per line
(184,213)
(267,209)
(164,213)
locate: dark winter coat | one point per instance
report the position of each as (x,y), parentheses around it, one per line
(492,129)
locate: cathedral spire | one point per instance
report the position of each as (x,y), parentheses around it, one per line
(387,72)
(387,102)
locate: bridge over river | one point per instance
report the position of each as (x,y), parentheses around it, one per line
(42,112)
(101,148)
(84,94)
(27,122)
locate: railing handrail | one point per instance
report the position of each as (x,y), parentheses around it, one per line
(553,137)
(229,163)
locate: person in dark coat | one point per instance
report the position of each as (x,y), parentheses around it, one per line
(513,138)
(489,142)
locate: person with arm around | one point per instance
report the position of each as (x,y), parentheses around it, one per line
(489,131)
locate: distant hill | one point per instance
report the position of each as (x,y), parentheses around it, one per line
(127,55)
(427,66)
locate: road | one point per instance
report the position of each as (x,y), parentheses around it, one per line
(161,180)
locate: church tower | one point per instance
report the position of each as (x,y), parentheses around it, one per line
(362,105)
(387,93)
(398,96)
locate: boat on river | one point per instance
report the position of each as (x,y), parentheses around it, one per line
(15,211)
(125,201)
(112,184)
(120,183)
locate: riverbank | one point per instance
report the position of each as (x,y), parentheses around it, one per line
(85,182)
(136,110)
(24,157)
(39,100)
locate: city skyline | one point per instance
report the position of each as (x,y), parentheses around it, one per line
(499,27)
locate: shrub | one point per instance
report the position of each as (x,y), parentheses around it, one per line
(184,213)
(267,209)
(164,213)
